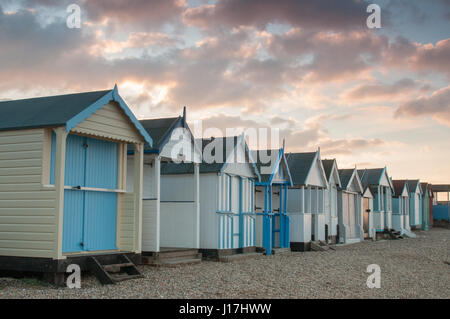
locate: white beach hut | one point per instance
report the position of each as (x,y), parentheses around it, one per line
(171,211)
(331,200)
(227,184)
(350,206)
(306,199)
(381,186)
(400,206)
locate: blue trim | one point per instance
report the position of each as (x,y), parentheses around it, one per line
(112,95)
(52,159)
(275,167)
(218,233)
(241,216)
(230,207)
(230,238)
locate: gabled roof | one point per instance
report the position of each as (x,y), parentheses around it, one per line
(228,145)
(413,184)
(347,176)
(61,110)
(300,165)
(160,130)
(268,161)
(372,176)
(426,187)
(330,166)
(368,189)
(399,186)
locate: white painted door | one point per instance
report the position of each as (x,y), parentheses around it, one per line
(351,216)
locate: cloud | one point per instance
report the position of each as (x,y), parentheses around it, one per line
(318,14)
(328,56)
(423,58)
(432,57)
(126,14)
(349,146)
(380,91)
(437,105)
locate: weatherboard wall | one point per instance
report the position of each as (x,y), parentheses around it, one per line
(27,208)
(110,122)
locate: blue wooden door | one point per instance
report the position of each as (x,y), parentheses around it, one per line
(90,216)
(101,206)
(74,199)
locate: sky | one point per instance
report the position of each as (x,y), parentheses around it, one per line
(312,69)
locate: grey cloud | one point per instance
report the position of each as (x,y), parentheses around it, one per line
(436,105)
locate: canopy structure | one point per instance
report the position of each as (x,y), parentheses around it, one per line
(441,203)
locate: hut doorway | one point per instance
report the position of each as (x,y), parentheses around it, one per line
(366,211)
(90,196)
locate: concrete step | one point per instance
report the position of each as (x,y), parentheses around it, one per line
(277,251)
(175,262)
(175,253)
(231,258)
(317,247)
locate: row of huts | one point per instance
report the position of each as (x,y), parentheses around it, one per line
(83,181)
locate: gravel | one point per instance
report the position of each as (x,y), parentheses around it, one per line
(410,268)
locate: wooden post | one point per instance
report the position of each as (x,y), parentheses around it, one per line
(157,187)
(317,200)
(303,199)
(197,205)
(60,164)
(138,182)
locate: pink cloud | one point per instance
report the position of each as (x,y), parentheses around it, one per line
(437,105)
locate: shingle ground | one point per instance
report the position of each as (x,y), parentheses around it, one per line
(410,268)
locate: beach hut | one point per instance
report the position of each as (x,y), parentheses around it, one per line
(427,209)
(331,199)
(400,206)
(350,207)
(306,199)
(62,185)
(381,186)
(415,206)
(441,203)
(272,221)
(171,211)
(227,183)
(431,205)
(368,224)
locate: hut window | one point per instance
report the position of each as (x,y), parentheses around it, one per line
(48,158)
(52,158)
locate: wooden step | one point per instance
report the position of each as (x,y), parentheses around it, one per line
(117,267)
(235,257)
(317,247)
(174,262)
(112,269)
(175,253)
